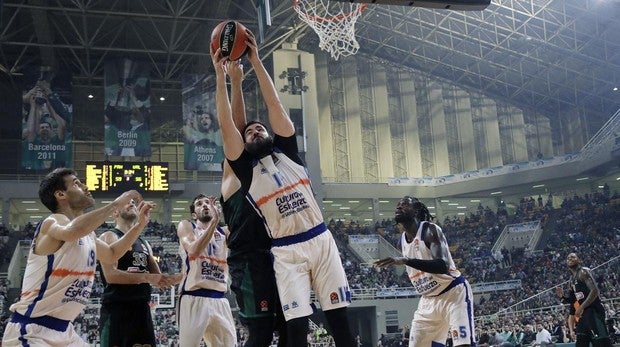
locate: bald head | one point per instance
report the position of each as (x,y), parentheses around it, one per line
(573,260)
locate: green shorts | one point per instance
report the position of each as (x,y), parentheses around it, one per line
(254,285)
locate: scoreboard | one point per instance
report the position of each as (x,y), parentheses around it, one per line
(124,176)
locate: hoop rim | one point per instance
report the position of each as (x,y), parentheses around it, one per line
(328,19)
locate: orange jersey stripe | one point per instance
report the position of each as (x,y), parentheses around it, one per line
(67,272)
(28,292)
(265,199)
(215,260)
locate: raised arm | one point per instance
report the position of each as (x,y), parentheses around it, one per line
(279,119)
(31,124)
(436,242)
(62,124)
(59,227)
(195,245)
(110,253)
(231,137)
(230,182)
(114,275)
(192,244)
(235,72)
(53,101)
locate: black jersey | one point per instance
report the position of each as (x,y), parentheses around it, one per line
(591,325)
(247,231)
(581,291)
(135,260)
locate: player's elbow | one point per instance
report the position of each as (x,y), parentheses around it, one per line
(112,255)
(595,292)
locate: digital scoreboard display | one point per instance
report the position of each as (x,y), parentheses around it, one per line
(124,176)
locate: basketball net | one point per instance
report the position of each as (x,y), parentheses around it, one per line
(334,22)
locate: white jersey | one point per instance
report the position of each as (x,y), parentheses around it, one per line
(427,284)
(59,284)
(209,270)
(282,194)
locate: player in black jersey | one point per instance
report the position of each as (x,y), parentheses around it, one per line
(586,321)
(250,260)
(125,318)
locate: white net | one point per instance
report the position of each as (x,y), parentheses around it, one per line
(333,22)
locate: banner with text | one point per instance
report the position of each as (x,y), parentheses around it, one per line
(47,117)
(127,108)
(203,149)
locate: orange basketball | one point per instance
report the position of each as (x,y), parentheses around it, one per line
(230,35)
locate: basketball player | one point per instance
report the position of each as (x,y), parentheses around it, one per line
(203,310)
(61,264)
(250,260)
(586,320)
(127,291)
(276,182)
(446,304)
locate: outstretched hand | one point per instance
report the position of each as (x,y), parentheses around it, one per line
(144,211)
(390,261)
(218,60)
(168,280)
(234,69)
(126,197)
(253,56)
(216,210)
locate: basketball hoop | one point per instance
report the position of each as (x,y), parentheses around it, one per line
(334,22)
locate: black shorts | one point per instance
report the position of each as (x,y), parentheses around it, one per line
(254,285)
(126,324)
(592,323)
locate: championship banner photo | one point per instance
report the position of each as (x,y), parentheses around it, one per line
(202,137)
(127,109)
(47,116)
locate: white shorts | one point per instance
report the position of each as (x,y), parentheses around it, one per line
(451,312)
(314,264)
(37,335)
(206,318)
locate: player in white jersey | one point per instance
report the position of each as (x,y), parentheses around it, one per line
(276,183)
(203,310)
(446,305)
(61,264)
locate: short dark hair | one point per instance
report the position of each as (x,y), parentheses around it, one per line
(252,122)
(192,209)
(51,183)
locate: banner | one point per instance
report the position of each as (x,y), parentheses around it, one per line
(202,137)
(127,109)
(47,116)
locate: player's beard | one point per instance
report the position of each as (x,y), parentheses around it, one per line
(205,217)
(128,216)
(404,219)
(261,147)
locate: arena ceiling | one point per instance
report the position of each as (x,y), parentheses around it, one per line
(545,55)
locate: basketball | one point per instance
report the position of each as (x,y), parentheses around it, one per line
(230,35)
